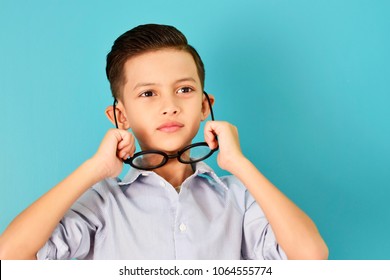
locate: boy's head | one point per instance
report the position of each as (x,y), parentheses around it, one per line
(158,80)
(142,39)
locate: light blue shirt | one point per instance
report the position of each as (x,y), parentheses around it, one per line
(143,217)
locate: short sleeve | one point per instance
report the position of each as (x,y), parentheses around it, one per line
(259,241)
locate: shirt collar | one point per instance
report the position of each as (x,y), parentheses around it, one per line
(132,175)
(201,168)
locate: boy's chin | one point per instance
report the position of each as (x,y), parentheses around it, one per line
(169,149)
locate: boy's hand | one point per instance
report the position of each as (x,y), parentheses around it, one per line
(116,146)
(229,145)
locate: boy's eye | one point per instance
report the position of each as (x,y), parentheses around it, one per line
(185,90)
(147,94)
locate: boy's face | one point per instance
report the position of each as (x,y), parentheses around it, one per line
(163,100)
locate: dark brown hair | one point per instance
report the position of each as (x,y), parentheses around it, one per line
(139,40)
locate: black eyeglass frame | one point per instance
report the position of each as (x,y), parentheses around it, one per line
(167,157)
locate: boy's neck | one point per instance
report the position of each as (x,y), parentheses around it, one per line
(175,172)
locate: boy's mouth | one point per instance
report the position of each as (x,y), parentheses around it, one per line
(170,127)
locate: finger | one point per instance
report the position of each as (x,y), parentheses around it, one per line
(123,135)
(126,152)
(210,135)
(127,140)
(125,155)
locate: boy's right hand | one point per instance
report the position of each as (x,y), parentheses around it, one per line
(116,146)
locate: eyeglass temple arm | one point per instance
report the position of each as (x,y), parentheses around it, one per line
(114,106)
(212,115)
(210,105)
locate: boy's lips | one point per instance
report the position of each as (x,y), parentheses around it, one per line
(170,126)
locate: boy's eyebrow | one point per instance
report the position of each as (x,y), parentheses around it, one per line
(144,85)
(186,80)
(190,79)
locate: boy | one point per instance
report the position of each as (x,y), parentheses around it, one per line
(169,208)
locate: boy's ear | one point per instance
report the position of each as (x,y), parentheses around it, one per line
(120,116)
(206,106)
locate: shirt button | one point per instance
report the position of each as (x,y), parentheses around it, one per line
(182,227)
(162,184)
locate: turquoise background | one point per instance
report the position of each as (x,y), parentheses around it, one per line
(306,82)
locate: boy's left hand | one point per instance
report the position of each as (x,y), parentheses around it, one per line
(228,142)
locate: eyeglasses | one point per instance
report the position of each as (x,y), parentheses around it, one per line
(152,159)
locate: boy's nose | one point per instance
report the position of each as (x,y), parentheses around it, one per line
(170,107)
(173,110)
